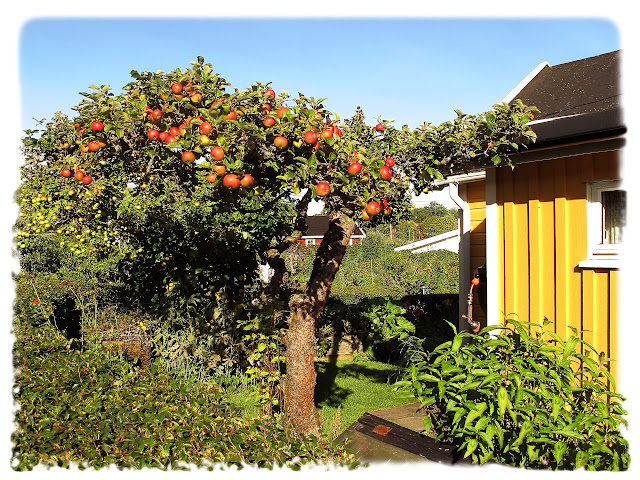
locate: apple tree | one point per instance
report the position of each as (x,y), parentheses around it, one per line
(194,186)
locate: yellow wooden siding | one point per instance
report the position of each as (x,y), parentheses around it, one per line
(613,322)
(475,197)
(542,236)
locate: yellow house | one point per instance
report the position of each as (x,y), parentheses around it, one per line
(545,237)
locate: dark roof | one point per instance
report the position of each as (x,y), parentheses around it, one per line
(588,89)
(317,226)
(583,86)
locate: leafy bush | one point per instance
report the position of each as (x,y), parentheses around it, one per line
(37,294)
(373,269)
(93,410)
(522,399)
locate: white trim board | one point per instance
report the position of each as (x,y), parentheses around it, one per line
(513,93)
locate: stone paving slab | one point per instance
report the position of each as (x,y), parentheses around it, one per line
(394,435)
(370,450)
(407,415)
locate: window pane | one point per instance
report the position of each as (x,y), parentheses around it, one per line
(614,209)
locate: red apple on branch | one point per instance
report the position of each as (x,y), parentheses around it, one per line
(65,172)
(323,189)
(246,180)
(155,115)
(97,126)
(188,157)
(205,128)
(217,153)
(385,172)
(389,162)
(231,181)
(220,169)
(373,208)
(327,133)
(310,137)
(354,169)
(280,142)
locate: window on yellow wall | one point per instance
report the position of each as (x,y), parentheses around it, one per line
(614,208)
(606,218)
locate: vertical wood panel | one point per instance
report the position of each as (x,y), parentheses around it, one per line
(521,243)
(535,246)
(588,306)
(586,168)
(561,226)
(613,322)
(501,241)
(576,238)
(547,253)
(601,312)
(509,297)
(475,198)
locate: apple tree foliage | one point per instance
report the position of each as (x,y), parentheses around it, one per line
(151,179)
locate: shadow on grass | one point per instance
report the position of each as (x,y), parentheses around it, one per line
(332,395)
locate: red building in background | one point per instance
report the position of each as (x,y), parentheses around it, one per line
(318,225)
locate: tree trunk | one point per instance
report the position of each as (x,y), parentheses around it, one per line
(274,255)
(305,310)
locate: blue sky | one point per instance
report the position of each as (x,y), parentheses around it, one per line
(407,69)
(410,70)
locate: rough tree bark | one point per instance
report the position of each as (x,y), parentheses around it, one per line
(274,255)
(305,308)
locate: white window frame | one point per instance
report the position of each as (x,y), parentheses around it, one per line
(599,255)
(309,241)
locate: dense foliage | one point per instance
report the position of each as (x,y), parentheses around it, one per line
(388,329)
(523,397)
(425,222)
(373,269)
(97,410)
(180,188)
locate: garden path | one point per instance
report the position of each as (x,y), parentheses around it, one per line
(393,435)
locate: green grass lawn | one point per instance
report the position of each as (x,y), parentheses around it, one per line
(355,387)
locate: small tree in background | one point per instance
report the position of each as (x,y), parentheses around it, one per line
(194,186)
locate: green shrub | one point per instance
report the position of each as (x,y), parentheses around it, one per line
(93,410)
(522,399)
(373,269)
(36,294)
